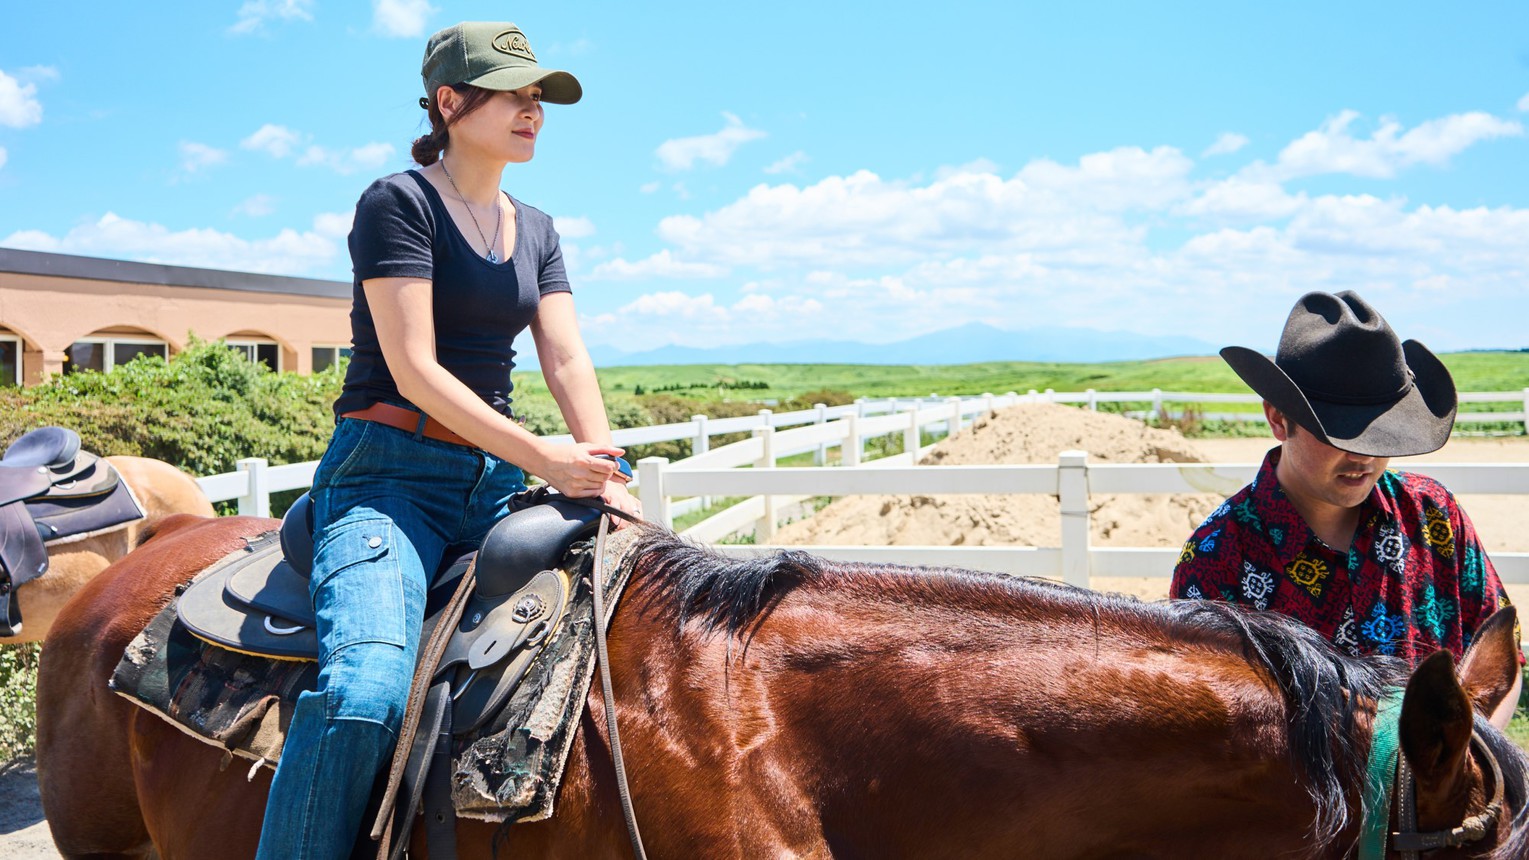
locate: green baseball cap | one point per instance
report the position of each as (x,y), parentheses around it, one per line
(493,55)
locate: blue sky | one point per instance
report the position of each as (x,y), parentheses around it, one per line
(870,172)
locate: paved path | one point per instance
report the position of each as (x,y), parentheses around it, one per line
(23,832)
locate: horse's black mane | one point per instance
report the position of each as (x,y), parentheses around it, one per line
(711,593)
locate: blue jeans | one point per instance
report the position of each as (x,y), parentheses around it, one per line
(387,509)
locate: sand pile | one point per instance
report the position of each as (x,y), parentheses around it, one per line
(1029,433)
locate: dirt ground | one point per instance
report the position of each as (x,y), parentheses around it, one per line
(1037,433)
(23,832)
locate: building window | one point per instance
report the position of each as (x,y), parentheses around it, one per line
(325,357)
(10,360)
(102,353)
(265,352)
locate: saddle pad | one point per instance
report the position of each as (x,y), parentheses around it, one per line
(512,770)
(243,703)
(239,702)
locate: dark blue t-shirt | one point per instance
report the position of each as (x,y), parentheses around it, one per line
(402,230)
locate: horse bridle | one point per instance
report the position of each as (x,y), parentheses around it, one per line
(1408,841)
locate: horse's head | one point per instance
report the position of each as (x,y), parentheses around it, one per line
(1470,780)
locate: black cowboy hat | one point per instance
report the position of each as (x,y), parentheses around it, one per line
(1342,374)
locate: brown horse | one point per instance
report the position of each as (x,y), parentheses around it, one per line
(789,706)
(160,488)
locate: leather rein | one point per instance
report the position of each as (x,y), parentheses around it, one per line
(598,588)
(1389,770)
(1406,839)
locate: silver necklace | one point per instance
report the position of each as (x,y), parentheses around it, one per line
(498,215)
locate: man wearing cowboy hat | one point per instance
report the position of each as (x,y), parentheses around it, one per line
(1377,561)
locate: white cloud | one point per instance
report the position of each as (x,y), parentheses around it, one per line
(649,187)
(979,165)
(1128,177)
(1118,240)
(277,141)
(401,18)
(333,224)
(1332,149)
(257,206)
(1228,143)
(19,106)
(346,161)
(3,156)
(789,164)
(573,227)
(716,149)
(862,219)
(289,252)
(660,265)
(1243,198)
(673,303)
(255,13)
(196,157)
(1523,103)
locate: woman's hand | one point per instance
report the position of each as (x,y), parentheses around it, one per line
(575,470)
(616,496)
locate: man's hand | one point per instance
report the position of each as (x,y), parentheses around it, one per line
(616,496)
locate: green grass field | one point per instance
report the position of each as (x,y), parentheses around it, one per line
(1473,371)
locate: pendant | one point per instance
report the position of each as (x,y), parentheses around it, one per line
(492,257)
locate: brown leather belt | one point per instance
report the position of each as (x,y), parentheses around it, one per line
(409,421)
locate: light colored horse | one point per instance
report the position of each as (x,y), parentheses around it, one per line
(160,489)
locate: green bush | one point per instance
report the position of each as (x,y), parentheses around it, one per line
(18,700)
(202,410)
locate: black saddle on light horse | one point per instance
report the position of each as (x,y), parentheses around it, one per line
(50,490)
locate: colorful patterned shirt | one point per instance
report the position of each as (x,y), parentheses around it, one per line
(1414,580)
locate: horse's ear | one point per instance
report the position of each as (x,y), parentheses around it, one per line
(1436,721)
(1490,665)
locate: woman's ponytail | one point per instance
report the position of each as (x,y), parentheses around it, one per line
(427,148)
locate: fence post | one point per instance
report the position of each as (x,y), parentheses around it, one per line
(1093,400)
(987,403)
(850,450)
(1526,411)
(256,501)
(764,532)
(821,457)
(700,445)
(650,491)
(1051,395)
(953,424)
(701,442)
(911,436)
(855,431)
(1157,404)
(1072,493)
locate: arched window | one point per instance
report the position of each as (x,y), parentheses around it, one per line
(256,349)
(108,348)
(10,359)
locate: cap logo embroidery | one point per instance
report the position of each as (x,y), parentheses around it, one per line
(513,42)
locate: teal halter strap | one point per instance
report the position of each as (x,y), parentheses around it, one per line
(1384,747)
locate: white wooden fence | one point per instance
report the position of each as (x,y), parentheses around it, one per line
(749,469)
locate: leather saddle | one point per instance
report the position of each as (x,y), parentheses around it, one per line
(49,490)
(259,603)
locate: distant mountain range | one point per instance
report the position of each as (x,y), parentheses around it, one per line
(967,344)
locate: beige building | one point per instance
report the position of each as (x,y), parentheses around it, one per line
(61,313)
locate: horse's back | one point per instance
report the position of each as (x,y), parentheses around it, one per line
(84,731)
